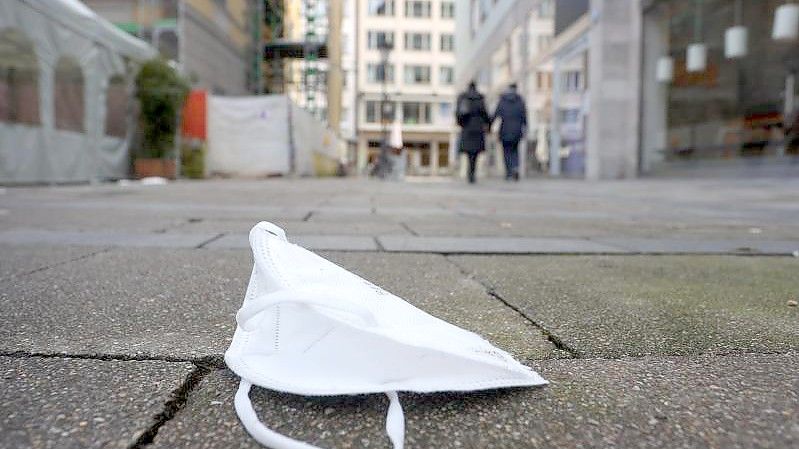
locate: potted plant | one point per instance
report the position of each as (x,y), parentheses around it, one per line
(161,92)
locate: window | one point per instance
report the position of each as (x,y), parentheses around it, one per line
(569,115)
(447,42)
(571,81)
(69,102)
(443,154)
(417,41)
(19,79)
(166,40)
(417,74)
(381,7)
(446,75)
(445,113)
(414,113)
(116,107)
(375,73)
(373,113)
(447,10)
(416,8)
(543,80)
(375,38)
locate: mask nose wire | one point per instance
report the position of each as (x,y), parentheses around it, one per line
(395,422)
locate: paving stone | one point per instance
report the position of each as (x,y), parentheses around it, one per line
(695,246)
(76,403)
(102,238)
(743,401)
(116,218)
(311,227)
(613,306)
(131,301)
(505,245)
(311,242)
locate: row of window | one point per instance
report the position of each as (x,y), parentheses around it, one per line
(413,74)
(19,89)
(413,8)
(413,112)
(413,40)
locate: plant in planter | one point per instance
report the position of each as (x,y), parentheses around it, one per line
(161,92)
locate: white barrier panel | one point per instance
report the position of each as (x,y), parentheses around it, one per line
(248,136)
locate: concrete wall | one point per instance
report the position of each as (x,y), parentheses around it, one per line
(614,84)
(210,58)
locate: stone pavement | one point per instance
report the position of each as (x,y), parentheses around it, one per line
(659,309)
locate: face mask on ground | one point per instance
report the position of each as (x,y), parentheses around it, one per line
(310,327)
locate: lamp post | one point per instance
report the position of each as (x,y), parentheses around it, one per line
(386,110)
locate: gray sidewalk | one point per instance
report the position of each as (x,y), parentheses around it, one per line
(659,310)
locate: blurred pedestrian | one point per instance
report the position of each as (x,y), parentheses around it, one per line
(792,133)
(513,113)
(472,117)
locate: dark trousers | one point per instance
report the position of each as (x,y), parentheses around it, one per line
(511,150)
(472,165)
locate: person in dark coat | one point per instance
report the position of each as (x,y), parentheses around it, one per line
(512,111)
(472,117)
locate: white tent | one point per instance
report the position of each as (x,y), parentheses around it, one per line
(65,92)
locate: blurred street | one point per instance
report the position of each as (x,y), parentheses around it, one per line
(662,311)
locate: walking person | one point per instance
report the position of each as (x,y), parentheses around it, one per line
(513,113)
(472,117)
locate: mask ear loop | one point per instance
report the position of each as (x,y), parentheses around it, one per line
(395,422)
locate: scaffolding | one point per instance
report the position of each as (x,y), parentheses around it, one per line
(285,51)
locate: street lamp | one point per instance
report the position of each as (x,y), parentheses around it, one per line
(386,110)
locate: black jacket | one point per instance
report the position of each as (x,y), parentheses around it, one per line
(513,113)
(472,117)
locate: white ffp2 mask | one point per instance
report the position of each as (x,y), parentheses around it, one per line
(310,327)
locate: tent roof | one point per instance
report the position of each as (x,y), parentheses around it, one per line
(81,19)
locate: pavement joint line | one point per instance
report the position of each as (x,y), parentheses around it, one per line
(211,361)
(552,338)
(177,402)
(211,240)
(186,222)
(307,216)
(490,291)
(380,247)
(409,229)
(53,265)
(582,253)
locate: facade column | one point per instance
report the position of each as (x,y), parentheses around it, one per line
(434,149)
(554,135)
(361,155)
(614,119)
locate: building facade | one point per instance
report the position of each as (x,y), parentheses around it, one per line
(212,41)
(649,87)
(418,81)
(349,83)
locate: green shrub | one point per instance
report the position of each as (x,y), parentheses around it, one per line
(192,158)
(161,92)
